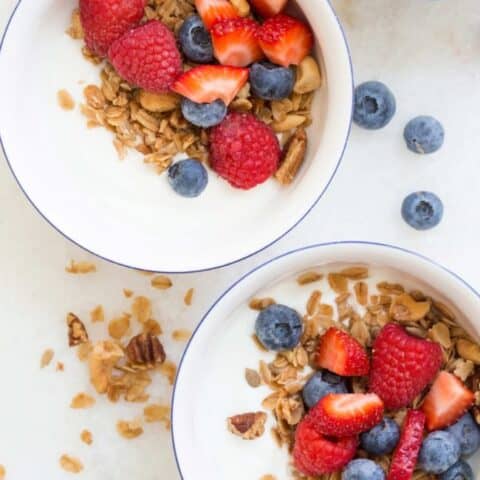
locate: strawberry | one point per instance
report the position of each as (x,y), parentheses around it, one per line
(285,40)
(213,11)
(405,455)
(402,365)
(342,354)
(207,83)
(313,454)
(446,402)
(235,43)
(268,8)
(346,414)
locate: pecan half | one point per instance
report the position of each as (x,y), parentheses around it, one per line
(247,425)
(77,333)
(292,157)
(145,349)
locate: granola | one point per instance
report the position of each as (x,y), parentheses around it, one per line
(47,357)
(86,437)
(248,425)
(71,464)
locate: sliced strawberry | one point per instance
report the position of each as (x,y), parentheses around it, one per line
(213,11)
(285,40)
(405,455)
(207,83)
(447,401)
(342,354)
(347,414)
(235,42)
(268,8)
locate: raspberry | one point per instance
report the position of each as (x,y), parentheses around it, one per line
(315,455)
(244,150)
(147,57)
(104,21)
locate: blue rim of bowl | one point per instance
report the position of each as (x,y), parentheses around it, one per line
(274,259)
(216,266)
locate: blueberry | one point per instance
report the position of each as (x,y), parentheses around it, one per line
(460,471)
(204,115)
(195,40)
(271,82)
(422,210)
(362,469)
(374,105)
(382,438)
(424,134)
(467,433)
(440,450)
(321,384)
(278,327)
(188,177)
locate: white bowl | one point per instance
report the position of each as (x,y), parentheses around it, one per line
(210,384)
(122,211)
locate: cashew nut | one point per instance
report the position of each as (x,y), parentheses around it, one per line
(309,77)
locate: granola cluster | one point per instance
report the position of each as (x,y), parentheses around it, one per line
(362,313)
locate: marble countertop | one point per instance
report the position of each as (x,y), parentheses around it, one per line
(428,52)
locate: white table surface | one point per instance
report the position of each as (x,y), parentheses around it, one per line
(428,52)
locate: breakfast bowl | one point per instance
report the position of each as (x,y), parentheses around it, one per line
(241,394)
(122,210)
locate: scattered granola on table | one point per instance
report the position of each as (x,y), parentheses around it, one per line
(71,464)
(47,357)
(80,267)
(86,437)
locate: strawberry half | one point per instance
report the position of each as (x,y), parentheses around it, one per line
(268,8)
(213,11)
(235,42)
(340,353)
(446,402)
(405,455)
(207,83)
(285,40)
(347,414)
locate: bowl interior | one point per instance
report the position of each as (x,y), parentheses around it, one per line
(212,370)
(123,211)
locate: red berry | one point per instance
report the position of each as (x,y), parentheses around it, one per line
(213,11)
(347,414)
(405,455)
(207,83)
(147,57)
(244,150)
(402,366)
(340,353)
(268,8)
(313,454)
(447,401)
(104,21)
(285,40)
(235,42)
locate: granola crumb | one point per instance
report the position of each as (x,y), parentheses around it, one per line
(252,377)
(247,425)
(128,293)
(153,327)
(181,335)
(71,464)
(119,326)
(77,333)
(142,309)
(261,303)
(129,429)
(308,277)
(189,296)
(161,282)
(97,314)
(82,400)
(83,351)
(157,413)
(3,472)
(47,357)
(80,267)
(75,29)
(86,437)
(60,367)
(65,100)
(268,477)
(169,369)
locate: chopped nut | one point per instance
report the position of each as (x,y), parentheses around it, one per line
(261,303)
(80,267)
(157,413)
(129,429)
(405,309)
(142,309)
(468,350)
(127,292)
(338,282)
(308,277)
(252,377)
(77,333)
(71,464)
(242,7)
(189,297)
(181,335)
(101,362)
(161,282)
(65,100)
(309,77)
(82,400)
(86,437)
(248,425)
(158,102)
(293,155)
(97,314)
(145,349)
(47,357)
(119,326)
